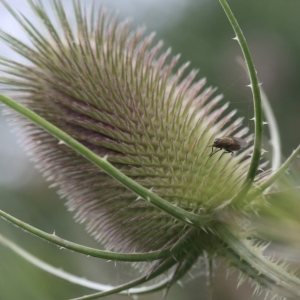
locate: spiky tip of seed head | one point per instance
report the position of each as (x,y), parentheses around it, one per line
(108,88)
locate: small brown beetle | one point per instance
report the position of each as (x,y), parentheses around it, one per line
(227,143)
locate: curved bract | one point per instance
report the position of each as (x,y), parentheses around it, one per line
(124,136)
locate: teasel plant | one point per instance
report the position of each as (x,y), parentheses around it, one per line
(125,136)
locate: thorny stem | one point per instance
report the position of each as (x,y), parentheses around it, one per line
(159,270)
(58,272)
(183,267)
(52,238)
(258,117)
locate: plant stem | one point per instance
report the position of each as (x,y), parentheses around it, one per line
(258,116)
(129,257)
(58,272)
(158,271)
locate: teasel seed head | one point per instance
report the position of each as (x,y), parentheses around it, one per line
(122,96)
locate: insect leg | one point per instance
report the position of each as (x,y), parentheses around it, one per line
(227,151)
(213,152)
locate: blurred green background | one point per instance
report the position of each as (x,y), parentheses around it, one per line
(199,30)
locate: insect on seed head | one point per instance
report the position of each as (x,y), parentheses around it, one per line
(227,143)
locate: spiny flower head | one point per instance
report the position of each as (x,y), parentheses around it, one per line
(114,92)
